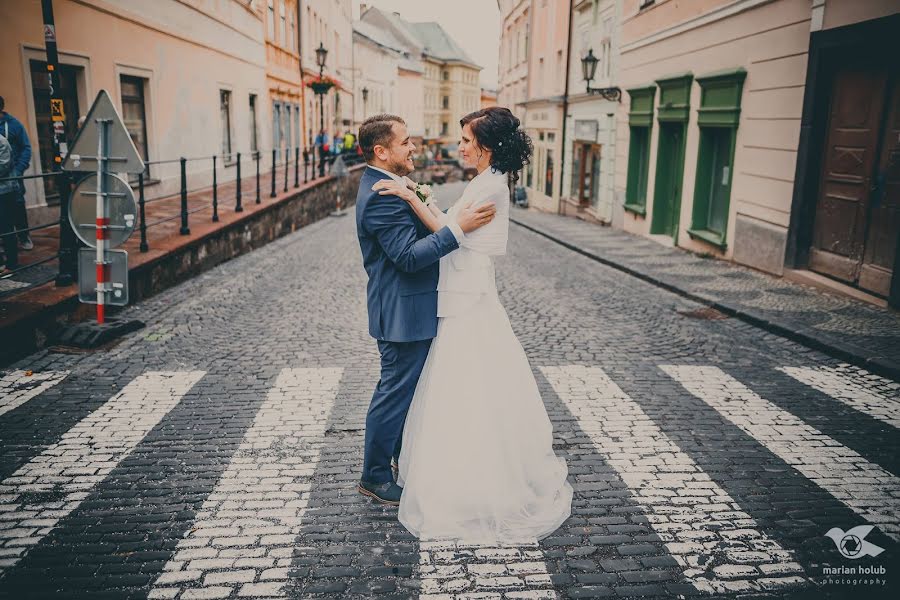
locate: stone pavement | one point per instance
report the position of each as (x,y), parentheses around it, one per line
(847,328)
(215,453)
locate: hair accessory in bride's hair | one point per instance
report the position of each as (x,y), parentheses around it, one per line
(500,144)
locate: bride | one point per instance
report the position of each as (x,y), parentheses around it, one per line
(477,462)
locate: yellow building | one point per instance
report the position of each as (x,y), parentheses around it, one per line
(283,79)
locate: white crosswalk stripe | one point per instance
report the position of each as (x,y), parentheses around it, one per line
(449,570)
(82,458)
(853,387)
(247,529)
(867,489)
(18,387)
(700,524)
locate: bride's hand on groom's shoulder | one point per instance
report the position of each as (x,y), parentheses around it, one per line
(389,187)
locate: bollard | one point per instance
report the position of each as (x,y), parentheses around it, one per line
(256,155)
(237,206)
(141,204)
(297,167)
(185,230)
(215,193)
(274,151)
(287,167)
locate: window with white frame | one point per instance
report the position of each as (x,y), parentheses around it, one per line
(225,119)
(270,19)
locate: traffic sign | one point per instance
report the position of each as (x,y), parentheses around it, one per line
(115,276)
(121,210)
(122,156)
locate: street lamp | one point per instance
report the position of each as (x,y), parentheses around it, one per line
(589,70)
(321,55)
(365,93)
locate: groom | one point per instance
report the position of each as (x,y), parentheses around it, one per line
(401,257)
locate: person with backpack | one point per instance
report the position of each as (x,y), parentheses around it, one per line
(9,191)
(14,132)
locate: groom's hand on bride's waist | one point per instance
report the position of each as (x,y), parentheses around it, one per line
(471,218)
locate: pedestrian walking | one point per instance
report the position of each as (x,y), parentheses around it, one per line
(14,132)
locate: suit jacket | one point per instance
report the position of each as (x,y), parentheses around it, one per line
(401,257)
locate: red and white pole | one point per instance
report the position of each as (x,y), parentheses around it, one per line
(102,218)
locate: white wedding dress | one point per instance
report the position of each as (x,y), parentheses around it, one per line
(477,462)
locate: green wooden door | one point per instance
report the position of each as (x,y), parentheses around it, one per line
(669,171)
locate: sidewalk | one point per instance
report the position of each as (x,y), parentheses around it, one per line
(861,334)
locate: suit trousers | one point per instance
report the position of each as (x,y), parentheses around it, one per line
(401,365)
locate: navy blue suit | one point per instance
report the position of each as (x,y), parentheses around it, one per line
(401,257)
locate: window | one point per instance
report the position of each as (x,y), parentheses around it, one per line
(270,20)
(446,75)
(225,119)
(283,38)
(254,136)
(445,128)
(134,114)
(287,128)
(445,102)
(646,3)
(276,127)
(291,28)
(548,180)
(638,161)
(529,177)
(718,119)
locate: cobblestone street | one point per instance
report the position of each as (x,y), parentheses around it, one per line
(214,454)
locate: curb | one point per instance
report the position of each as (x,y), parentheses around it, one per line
(847,352)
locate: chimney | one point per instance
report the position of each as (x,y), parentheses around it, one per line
(362,9)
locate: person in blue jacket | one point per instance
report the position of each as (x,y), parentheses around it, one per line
(401,257)
(14,132)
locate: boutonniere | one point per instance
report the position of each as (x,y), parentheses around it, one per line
(424,192)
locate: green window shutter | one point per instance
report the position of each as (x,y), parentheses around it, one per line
(718,118)
(641,112)
(720,98)
(638,160)
(674,98)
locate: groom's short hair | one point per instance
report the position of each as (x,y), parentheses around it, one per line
(377,131)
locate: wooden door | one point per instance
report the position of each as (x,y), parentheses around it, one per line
(589,160)
(669,171)
(883,234)
(842,209)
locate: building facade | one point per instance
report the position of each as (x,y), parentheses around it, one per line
(588,188)
(328,24)
(488,98)
(285,86)
(449,78)
(376,60)
(169,111)
(546,89)
(732,137)
(515,23)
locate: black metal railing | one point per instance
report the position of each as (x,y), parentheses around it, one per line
(304,167)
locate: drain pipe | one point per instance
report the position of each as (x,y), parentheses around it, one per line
(565,115)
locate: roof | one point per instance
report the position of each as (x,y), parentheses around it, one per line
(439,44)
(419,38)
(378,35)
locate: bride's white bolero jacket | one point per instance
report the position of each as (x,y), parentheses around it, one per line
(466,274)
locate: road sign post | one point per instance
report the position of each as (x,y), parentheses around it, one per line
(103,146)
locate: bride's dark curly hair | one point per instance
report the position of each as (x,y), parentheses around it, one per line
(497,129)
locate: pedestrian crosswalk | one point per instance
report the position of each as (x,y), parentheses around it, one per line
(260,500)
(869,490)
(18,387)
(54,483)
(718,545)
(244,538)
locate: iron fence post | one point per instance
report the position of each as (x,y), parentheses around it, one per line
(237,195)
(142,203)
(185,230)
